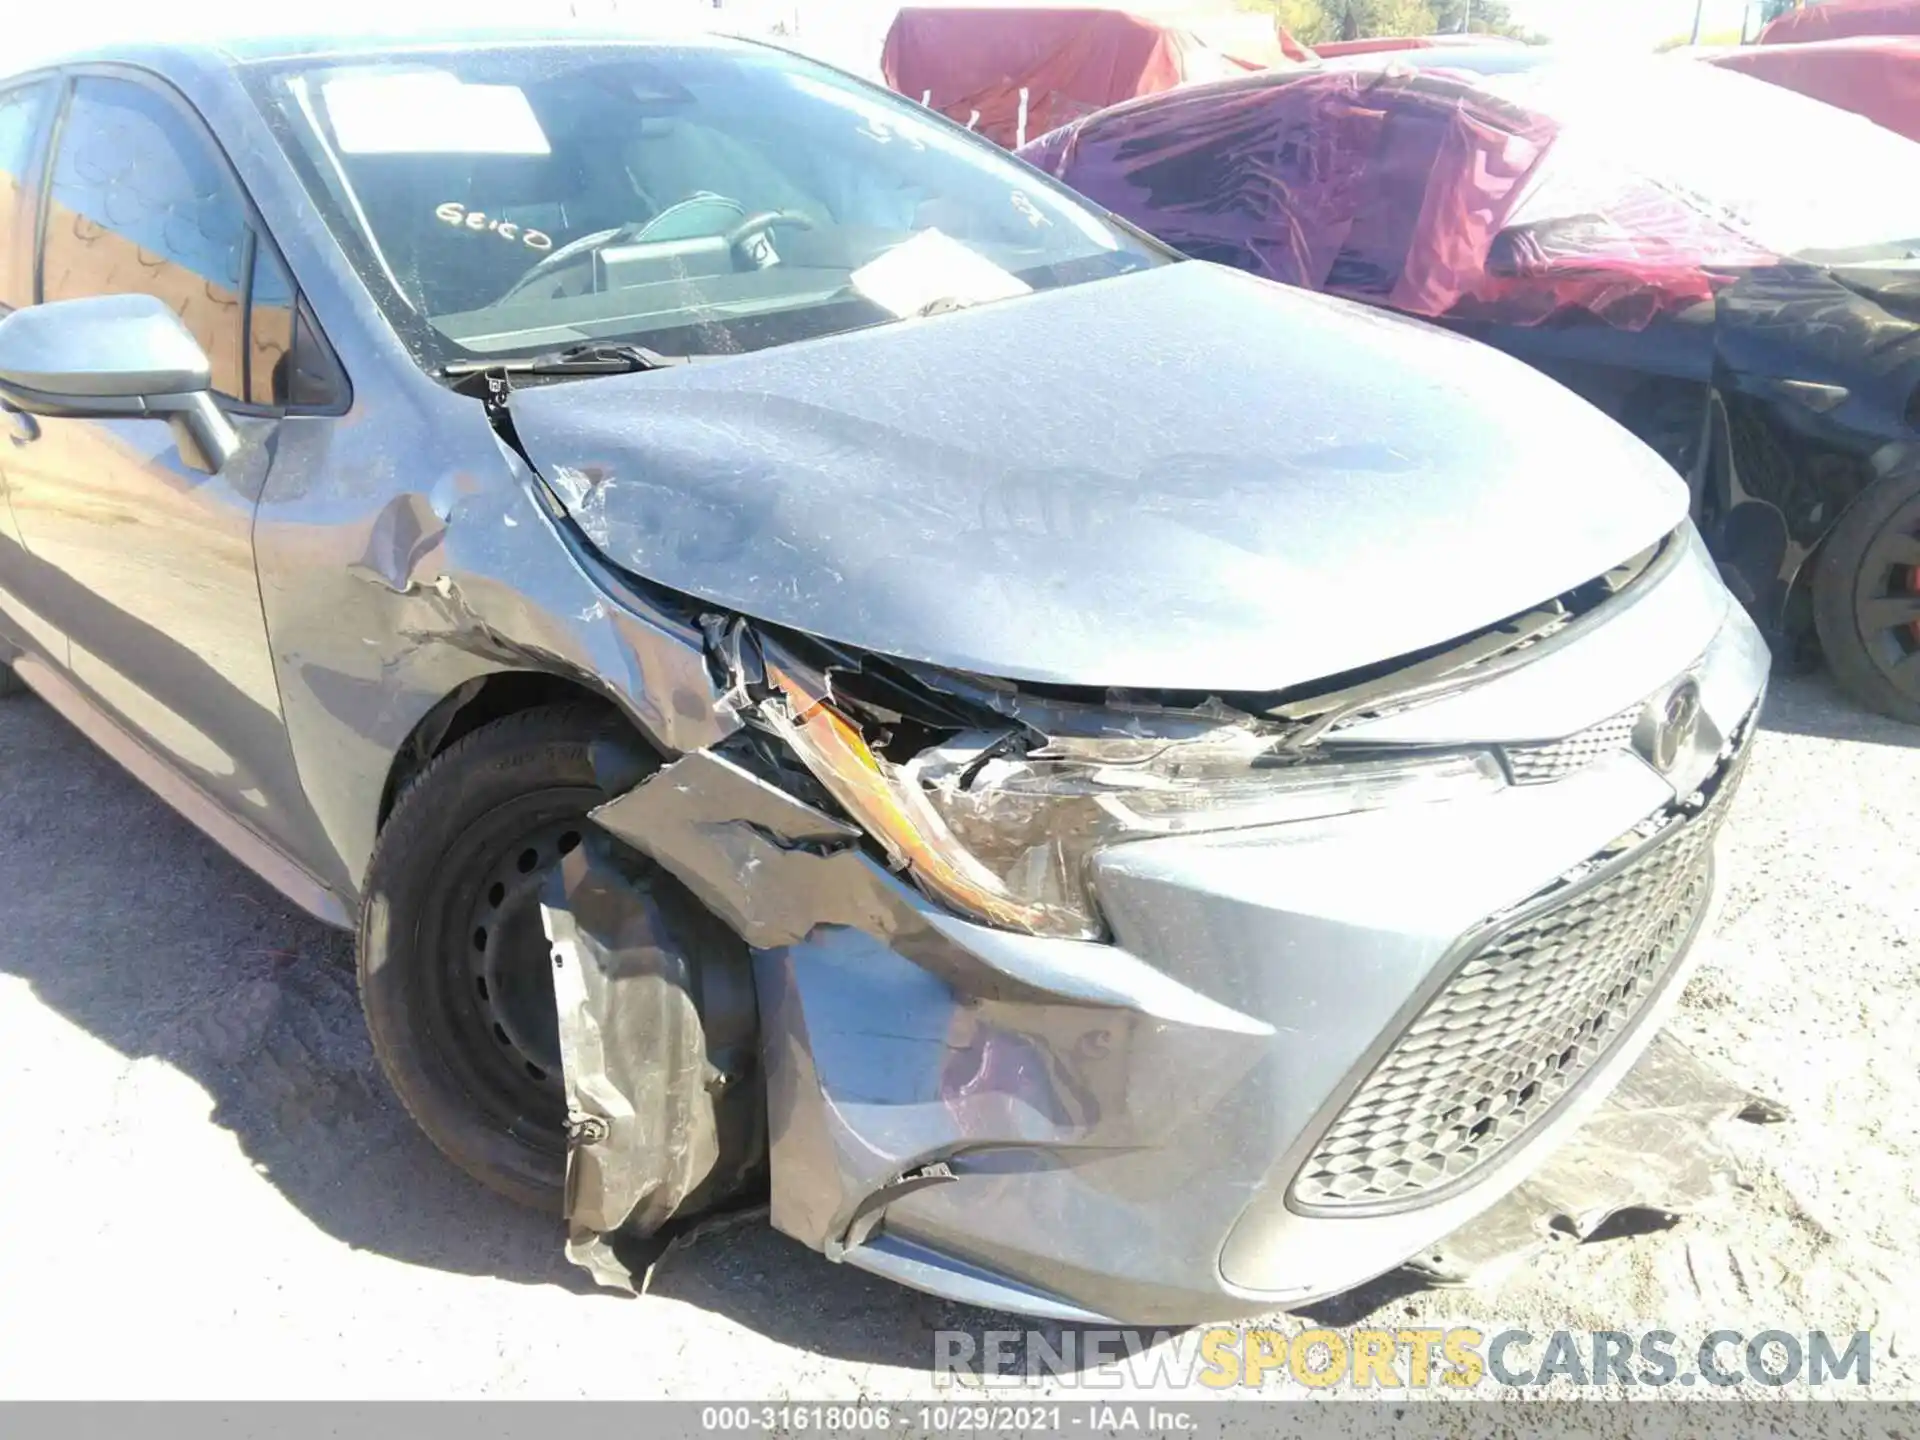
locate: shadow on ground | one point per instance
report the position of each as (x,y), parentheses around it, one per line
(1810,704)
(125,921)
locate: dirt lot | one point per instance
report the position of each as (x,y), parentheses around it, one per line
(211,1193)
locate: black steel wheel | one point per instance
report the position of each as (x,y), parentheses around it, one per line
(494,995)
(453,959)
(1866,599)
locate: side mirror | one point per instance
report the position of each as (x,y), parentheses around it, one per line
(115,356)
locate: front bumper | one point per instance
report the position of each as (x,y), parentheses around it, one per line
(1204,1118)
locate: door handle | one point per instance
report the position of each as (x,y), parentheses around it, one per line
(22,428)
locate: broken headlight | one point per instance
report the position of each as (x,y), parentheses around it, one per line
(999,824)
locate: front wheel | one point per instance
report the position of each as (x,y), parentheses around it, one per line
(454,962)
(1866,599)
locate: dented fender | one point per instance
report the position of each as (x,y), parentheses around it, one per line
(382,605)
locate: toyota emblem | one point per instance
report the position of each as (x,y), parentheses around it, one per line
(1675,722)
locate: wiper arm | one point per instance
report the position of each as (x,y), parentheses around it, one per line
(578,360)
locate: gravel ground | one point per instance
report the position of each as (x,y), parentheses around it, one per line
(212,1193)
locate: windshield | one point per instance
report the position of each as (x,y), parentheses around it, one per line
(702,198)
(1796,176)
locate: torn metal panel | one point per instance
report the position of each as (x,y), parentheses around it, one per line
(657,1023)
(1654,1147)
(906,1048)
(720,830)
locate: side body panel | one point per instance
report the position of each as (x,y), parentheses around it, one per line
(26,115)
(144,564)
(147,567)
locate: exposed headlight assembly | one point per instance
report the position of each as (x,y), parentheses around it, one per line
(1000,828)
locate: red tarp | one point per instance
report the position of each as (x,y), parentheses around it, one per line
(1071,63)
(1838,19)
(1878,77)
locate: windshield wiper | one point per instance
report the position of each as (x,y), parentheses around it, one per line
(945,305)
(577,360)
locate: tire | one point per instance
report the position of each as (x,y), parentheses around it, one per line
(10,683)
(1866,599)
(477,1064)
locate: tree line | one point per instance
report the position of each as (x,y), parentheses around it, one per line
(1316,21)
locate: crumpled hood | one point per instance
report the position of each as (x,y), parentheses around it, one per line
(1180,479)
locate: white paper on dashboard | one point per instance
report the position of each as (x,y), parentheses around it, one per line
(430,112)
(932,267)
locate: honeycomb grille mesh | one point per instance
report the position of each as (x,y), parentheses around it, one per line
(1515,1028)
(1539,764)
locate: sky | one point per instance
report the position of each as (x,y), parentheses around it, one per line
(1622,24)
(44,30)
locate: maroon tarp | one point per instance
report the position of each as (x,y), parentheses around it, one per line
(1390,188)
(1878,76)
(1838,19)
(1071,63)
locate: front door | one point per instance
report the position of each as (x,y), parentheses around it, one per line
(144,563)
(25,109)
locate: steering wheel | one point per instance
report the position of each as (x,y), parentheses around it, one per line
(760,223)
(698,214)
(665,225)
(558,259)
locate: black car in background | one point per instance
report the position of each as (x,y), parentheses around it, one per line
(1726,267)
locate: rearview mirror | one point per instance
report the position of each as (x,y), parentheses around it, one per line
(115,356)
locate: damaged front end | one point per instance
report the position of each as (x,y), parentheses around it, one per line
(1050,987)
(859,927)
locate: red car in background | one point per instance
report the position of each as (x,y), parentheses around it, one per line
(1727,268)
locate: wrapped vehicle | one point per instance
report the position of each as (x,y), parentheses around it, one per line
(1724,266)
(975,65)
(1837,19)
(1877,76)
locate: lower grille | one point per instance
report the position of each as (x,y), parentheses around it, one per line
(1541,999)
